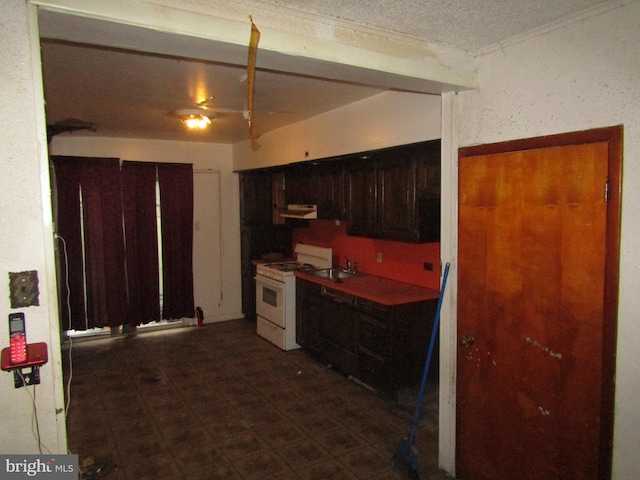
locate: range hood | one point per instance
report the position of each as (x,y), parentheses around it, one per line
(304,211)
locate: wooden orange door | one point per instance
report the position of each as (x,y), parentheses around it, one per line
(534,356)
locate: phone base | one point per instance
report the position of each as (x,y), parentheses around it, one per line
(28,372)
(22,378)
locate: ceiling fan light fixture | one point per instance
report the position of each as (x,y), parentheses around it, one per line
(195,119)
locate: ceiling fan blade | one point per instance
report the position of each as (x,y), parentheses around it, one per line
(223,110)
(251,73)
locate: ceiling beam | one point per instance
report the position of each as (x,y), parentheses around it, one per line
(291,42)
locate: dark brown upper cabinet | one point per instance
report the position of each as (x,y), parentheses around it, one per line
(319,183)
(396,183)
(256,197)
(330,179)
(395,194)
(392,194)
(428,171)
(301,185)
(361,197)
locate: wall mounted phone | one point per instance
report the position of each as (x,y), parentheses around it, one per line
(20,355)
(17,338)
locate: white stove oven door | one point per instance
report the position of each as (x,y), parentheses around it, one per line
(270,300)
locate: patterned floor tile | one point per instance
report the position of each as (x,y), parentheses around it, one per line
(149,409)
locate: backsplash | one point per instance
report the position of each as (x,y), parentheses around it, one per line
(400,261)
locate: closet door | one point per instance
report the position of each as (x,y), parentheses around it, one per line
(207,242)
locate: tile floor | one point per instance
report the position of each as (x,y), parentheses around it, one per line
(219,402)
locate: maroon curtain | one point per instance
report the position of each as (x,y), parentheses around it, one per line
(141,242)
(118,206)
(93,183)
(176,203)
(67,172)
(106,293)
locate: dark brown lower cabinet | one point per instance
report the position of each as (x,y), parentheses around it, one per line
(374,342)
(309,323)
(383,346)
(340,332)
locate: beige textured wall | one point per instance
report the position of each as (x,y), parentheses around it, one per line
(26,242)
(581,75)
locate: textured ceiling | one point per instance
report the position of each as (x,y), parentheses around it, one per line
(134,94)
(465,24)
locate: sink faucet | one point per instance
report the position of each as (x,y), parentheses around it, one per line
(351,266)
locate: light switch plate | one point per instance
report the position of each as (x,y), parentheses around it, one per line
(23,289)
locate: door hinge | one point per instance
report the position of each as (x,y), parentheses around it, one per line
(606,191)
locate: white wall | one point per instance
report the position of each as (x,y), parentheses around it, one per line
(26,242)
(583,75)
(216,210)
(383,120)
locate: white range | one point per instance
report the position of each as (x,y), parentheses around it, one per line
(276,294)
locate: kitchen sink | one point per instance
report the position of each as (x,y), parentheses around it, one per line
(333,274)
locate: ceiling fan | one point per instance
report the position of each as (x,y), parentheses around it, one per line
(208,107)
(200,115)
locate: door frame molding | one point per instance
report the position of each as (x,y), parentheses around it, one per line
(613,136)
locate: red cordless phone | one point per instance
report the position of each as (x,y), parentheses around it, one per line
(18,336)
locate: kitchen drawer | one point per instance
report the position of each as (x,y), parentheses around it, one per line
(373,309)
(345,362)
(373,369)
(271,332)
(374,336)
(340,325)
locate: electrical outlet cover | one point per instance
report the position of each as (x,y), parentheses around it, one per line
(23,289)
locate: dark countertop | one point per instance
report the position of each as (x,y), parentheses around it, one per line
(376,289)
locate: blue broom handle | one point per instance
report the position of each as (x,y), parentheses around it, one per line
(432,342)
